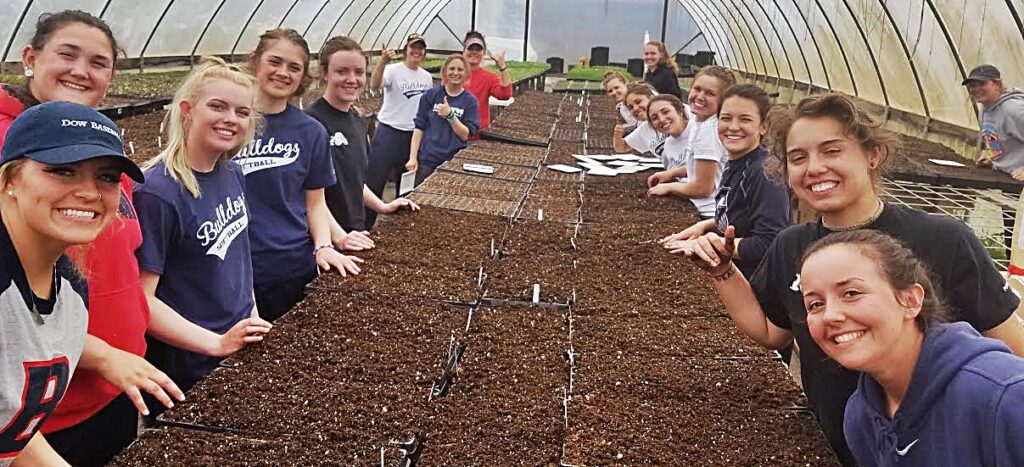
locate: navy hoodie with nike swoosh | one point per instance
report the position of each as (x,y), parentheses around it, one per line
(964,407)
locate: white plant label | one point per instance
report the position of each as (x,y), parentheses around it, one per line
(564,168)
(408,183)
(536,293)
(540,214)
(131,147)
(946,163)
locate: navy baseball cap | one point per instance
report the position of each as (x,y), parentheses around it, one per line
(982,73)
(65,133)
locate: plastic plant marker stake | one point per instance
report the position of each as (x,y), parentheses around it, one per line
(492,247)
(536,293)
(540,214)
(408,183)
(131,147)
(159,142)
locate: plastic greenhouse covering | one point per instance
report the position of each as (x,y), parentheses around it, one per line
(908,57)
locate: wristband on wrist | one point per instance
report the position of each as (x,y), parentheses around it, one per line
(450,117)
(502,70)
(725,275)
(321,247)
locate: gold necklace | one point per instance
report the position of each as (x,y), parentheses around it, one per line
(873,217)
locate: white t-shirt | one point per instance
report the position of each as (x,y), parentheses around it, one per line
(627,116)
(646,139)
(402,90)
(701,143)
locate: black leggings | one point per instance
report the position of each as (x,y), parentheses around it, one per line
(388,153)
(100,437)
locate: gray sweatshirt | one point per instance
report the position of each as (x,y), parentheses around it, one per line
(1002,127)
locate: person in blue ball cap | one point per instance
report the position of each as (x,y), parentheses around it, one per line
(60,169)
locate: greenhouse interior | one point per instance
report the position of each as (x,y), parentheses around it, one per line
(515,232)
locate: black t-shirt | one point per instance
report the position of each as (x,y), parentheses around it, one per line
(346,132)
(664,81)
(963,270)
(757,207)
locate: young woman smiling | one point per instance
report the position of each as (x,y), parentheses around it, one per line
(286,169)
(701,140)
(757,207)
(482,83)
(1001,119)
(447,116)
(644,138)
(616,86)
(662,71)
(404,84)
(60,182)
(71,57)
(702,169)
(832,154)
(195,258)
(931,393)
(343,68)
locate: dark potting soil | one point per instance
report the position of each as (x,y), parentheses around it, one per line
(664,409)
(466,204)
(532,133)
(351,372)
(431,253)
(499,147)
(561,153)
(176,446)
(546,174)
(473,186)
(636,331)
(508,154)
(141,131)
(559,201)
(501,171)
(911,162)
(506,407)
(533,253)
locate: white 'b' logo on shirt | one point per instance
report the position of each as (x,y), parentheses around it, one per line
(339,139)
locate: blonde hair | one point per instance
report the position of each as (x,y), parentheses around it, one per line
(451,58)
(175,155)
(612,75)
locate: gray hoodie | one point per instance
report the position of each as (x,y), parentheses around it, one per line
(1002,127)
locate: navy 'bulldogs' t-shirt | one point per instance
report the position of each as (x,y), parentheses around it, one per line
(349,153)
(198,246)
(960,266)
(288,158)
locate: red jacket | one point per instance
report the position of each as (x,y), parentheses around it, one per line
(10,108)
(483,84)
(118,310)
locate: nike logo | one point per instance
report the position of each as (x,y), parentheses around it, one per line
(904,451)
